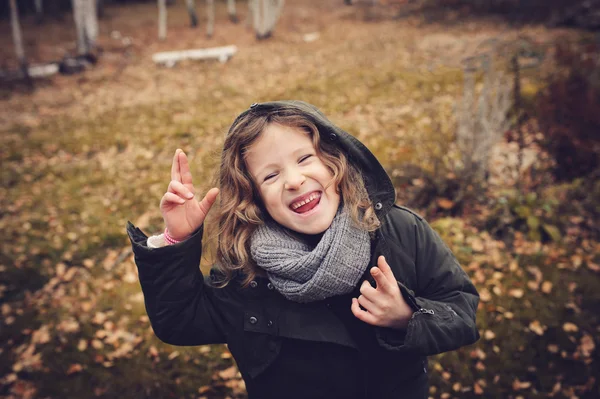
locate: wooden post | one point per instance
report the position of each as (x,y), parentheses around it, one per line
(18,39)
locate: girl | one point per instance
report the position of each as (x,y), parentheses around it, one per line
(323,287)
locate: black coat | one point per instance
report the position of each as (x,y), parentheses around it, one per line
(285,349)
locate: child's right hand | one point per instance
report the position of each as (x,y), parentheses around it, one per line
(182,213)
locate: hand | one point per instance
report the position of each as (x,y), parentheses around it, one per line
(182,213)
(383,306)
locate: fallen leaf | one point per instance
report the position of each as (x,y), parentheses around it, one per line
(546,287)
(228,373)
(516,293)
(587,345)
(477,389)
(489,335)
(570,327)
(537,327)
(518,385)
(74,368)
(552,348)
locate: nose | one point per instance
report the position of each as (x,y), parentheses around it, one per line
(294,179)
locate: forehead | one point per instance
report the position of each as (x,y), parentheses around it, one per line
(274,143)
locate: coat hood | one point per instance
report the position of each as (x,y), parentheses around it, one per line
(378,183)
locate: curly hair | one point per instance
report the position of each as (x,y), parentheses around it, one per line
(241,209)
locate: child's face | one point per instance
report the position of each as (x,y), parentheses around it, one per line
(293,182)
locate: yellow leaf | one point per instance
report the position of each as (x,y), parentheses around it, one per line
(74,368)
(537,327)
(546,287)
(477,389)
(516,293)
(445,203)
(570,327)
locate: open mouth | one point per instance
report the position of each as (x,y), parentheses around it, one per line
(306,204)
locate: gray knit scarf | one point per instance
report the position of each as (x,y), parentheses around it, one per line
(302,273)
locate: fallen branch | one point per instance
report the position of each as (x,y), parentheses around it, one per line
(170,58)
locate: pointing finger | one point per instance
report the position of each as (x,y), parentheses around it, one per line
(175,174)
(386,269)
(382,282)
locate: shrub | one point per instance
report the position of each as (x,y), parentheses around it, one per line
(567,111)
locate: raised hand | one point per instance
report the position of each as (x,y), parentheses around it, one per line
(383,306)
(182,213)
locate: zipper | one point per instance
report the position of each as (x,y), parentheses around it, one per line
(422,311)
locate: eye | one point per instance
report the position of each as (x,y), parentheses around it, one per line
(268,177)
(304,158)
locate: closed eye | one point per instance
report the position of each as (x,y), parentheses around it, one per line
(304,158)
(268,177)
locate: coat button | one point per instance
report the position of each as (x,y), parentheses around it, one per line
(253,320)
(378,206)
(253,284)
(270,286)
(270,323)
(332,136)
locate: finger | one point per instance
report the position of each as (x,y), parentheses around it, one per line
(382,282)
(361,314)
(368,291)
(386,269)
(170,199)
(184,169)
(366,303)
(175,174)
(208,200)
(178,188)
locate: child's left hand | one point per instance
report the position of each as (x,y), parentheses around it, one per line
(383,306)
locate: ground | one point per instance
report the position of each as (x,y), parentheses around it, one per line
(83,154)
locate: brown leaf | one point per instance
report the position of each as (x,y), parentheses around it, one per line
(587,345)
(518,385)
(570,327)
(546,287)
(445,203)
(489,335)
(516,293)
(477,389)
(228,373)
(74,368)
(537,327)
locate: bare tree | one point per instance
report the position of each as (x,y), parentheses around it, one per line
(231,11)
(39,10)
(265,16)
(162,19)
(191,7)
(482,117)
(86,23)
(18,39)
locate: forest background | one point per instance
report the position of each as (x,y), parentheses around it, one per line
(485,113)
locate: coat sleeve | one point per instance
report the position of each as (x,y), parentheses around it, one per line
(444,301)
(183,309)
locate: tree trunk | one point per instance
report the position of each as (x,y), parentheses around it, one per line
(39,11)
(18,39)
(191,7)
(232,11)
(210,13)
(266,14)
(86,23)
(162,19)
